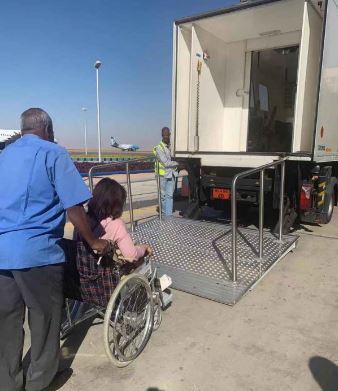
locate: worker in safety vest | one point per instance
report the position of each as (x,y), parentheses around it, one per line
(166,168)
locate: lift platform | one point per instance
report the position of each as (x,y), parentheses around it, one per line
(216,261)
(197,256)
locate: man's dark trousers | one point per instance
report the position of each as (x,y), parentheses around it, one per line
(40,290)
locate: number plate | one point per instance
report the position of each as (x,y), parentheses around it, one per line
(220,194)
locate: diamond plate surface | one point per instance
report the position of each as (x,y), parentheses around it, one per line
(193,252)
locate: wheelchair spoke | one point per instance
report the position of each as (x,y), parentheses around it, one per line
(130,341)
(131,320)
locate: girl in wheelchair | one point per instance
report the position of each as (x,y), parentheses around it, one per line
(98,278)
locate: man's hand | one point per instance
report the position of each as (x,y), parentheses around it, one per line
(100,246)
(78,218)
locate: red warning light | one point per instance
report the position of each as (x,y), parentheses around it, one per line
(322,132)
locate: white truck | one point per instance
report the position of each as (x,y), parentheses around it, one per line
(251,84)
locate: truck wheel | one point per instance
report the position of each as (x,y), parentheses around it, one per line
(193,211)
(289,218)
(328,208)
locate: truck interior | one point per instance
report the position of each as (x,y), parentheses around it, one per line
(273,88)
(246,80)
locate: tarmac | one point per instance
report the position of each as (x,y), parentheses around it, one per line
(281,336)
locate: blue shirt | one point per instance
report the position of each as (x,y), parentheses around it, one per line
(38,182)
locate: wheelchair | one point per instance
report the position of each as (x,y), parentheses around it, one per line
(133,312)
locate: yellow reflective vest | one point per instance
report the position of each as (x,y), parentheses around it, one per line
(159,166)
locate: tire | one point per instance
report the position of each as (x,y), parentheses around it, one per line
(289,218)
(122,317)
(328,208)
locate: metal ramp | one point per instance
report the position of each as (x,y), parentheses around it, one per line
(216,261)
(198,256)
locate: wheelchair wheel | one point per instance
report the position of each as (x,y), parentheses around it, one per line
(128,320)
(157,317)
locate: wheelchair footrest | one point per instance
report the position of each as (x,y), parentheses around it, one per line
(167,297)
(165,282)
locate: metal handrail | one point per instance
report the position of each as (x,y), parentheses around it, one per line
(243,174)
(130,198)
(113,164)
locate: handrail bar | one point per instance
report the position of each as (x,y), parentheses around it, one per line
(258,169)
(136,181)
(113,164)
(243,174)
(129,192)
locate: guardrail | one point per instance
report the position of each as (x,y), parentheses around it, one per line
(244,174)
(130,197)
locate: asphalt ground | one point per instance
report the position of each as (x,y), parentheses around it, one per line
(281,336)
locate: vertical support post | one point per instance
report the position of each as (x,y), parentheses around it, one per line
(158,181)
(98,114)
(85,135)
(234,229)
(90,178)
(69,318)
(130,200)
(84,109)
(261,213)
(281,200)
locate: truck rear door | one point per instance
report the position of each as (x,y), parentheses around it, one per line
(326,133)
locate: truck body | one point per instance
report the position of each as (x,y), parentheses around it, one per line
(252,83)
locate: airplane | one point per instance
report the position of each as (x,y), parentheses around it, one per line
(7,136)
(123,147)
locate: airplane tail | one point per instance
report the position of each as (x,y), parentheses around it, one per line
(113,142)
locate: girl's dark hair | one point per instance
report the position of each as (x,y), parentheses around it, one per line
(108,200)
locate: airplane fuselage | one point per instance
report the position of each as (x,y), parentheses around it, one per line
(127,147)
(124,147)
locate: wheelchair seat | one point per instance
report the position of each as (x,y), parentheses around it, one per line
(88,280)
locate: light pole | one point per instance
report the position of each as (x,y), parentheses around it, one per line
(97,66)
(85,129)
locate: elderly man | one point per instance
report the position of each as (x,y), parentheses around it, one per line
(167,170)
(39,183)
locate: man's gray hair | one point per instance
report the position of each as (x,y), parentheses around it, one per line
(36,119)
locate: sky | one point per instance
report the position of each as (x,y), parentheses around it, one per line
(48,50)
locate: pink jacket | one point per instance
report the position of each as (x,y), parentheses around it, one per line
(117,231)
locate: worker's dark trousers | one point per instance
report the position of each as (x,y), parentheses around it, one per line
(40,290)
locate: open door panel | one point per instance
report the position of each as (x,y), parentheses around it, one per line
(326,136)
